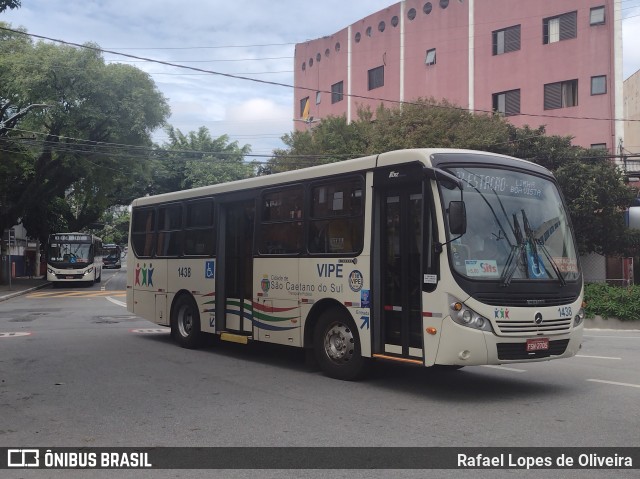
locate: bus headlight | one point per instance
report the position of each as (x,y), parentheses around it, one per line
(464,316)
(90,270)
(577,321)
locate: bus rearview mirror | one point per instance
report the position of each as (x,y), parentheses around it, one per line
(457,218)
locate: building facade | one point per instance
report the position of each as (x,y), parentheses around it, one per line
(632,115)
(545,62)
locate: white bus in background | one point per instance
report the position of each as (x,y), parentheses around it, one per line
(74,257)
(432,257)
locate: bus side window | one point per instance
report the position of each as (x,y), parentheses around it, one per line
(143,231)
(336,223)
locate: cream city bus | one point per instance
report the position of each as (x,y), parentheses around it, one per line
(73,258)
(433,257)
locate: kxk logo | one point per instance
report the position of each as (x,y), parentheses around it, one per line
(501,313)
(23,458)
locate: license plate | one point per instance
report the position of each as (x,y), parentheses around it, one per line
(69,277)
(537,344)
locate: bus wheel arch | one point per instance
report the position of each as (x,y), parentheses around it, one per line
(185,321)
(336,341)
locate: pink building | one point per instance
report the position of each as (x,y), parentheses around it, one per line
(551,62)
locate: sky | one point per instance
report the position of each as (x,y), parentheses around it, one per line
(248,38)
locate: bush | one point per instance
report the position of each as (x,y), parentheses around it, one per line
(612,301)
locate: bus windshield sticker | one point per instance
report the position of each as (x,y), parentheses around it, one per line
(487,268)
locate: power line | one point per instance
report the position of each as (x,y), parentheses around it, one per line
(286,85)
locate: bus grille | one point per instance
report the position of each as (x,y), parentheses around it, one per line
(530,328)
(69,276)
(515,351)
(504,298)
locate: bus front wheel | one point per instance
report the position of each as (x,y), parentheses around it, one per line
(337,346)
(185,323)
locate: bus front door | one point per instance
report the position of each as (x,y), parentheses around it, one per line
(235,261)
(400,256)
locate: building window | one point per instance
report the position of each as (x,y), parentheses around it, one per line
(318,97)
(507,103)
(381,27)
(318,57)
(431,57)
(506,40)
(411,14)
(561,94)
(358,36)
(337,47)
(562,27)
(598,146)
(444,4)
(304,106)
(368,31)
(376,77)
(310,62)
(394,21)
(597,16)
(336,92)
(599,85)
(427,8)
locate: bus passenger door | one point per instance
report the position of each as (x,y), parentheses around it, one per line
(235,262)
(397,262)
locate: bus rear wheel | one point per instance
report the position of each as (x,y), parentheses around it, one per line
(185,323)
(337,346)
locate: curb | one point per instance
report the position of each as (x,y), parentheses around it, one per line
(612,324)
(9,296)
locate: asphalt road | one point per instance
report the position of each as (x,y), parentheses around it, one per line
(88,373)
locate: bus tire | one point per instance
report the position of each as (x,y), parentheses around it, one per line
(185,323)
(337,345)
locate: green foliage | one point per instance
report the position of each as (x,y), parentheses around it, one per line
(67,110)
(115,229)
(11,4)
(612,301)
(196,159)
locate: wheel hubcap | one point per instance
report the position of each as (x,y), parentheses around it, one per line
(185,321)
(339,343)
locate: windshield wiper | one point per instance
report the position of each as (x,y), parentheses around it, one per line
(516,255)
(534,247)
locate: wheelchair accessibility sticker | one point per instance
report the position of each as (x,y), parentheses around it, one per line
(209,269)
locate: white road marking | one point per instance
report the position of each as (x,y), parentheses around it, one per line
(115,301)
(595,357)
(611,337)
(614,383)
(14,335)
(150,331)
(504,368)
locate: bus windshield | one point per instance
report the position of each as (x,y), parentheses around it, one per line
(63,252)
(517,228)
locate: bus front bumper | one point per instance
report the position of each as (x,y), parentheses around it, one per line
(463,346)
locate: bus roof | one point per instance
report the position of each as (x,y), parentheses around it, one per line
(423,155)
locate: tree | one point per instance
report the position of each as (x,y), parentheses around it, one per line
(196,159)
(593,187)
(9,4)
(65,161)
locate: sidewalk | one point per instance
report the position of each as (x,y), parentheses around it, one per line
(21,286)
